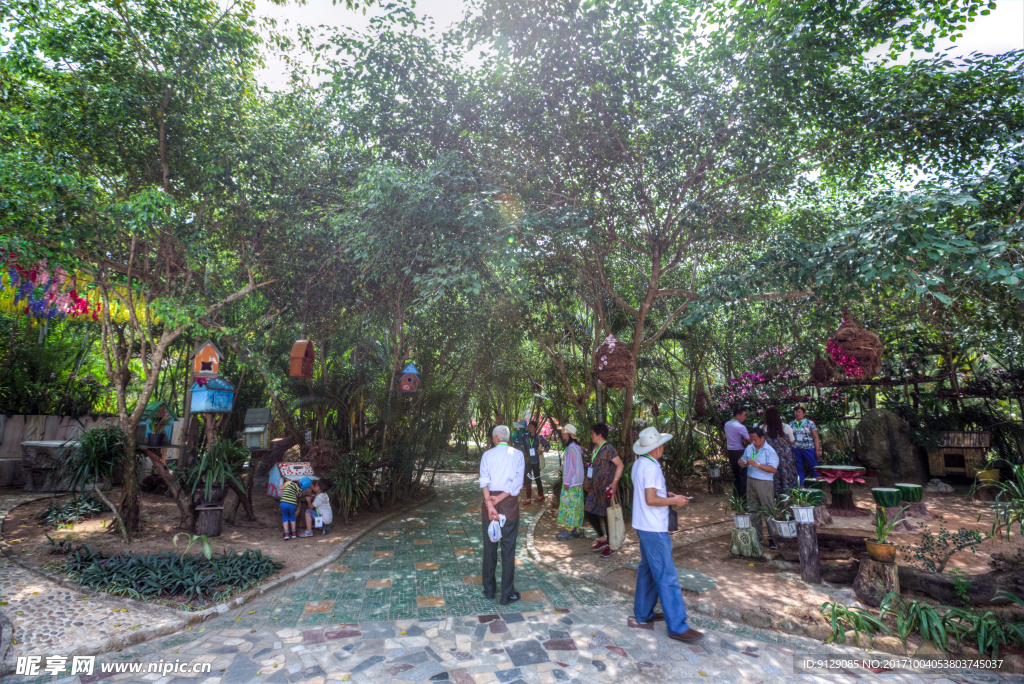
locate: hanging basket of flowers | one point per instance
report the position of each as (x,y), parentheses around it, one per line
(614,364)
(856,353)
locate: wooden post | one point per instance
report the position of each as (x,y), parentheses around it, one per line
(210,521)
(807,542)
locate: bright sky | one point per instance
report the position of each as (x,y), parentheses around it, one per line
(1000,31)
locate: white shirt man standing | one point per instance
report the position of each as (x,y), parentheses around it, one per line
(761,462)
(501,478)
(656,577)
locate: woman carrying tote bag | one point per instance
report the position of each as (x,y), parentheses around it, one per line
(607,467)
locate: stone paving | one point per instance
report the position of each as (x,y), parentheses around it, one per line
(404,605)
(46,615)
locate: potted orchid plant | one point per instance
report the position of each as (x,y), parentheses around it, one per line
(740,512)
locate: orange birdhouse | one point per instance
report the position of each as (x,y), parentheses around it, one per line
(302,358)
(410,380)
(206,360)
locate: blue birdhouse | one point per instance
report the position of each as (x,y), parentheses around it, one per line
(410,380)
(216,396)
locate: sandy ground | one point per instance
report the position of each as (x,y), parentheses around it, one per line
(759,585)
(160,516)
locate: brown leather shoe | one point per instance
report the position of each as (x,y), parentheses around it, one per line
(687,636)
(657,617)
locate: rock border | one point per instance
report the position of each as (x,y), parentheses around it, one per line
(183,618)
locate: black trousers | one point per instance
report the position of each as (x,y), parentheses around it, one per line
(739,475)
(509,533)
(598,522)
(535,469)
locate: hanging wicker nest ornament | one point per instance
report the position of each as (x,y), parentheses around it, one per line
(821,371)
(614,364)
(701,403)
(855,351)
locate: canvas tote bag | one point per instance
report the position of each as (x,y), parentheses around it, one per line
(616,524)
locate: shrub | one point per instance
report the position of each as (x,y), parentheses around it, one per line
(167,575)
(934,550)
(74,510)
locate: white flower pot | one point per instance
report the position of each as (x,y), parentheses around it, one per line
(742,520)
(786,528)
(715,471)
(803,514)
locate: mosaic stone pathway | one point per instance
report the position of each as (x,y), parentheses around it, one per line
(405,605)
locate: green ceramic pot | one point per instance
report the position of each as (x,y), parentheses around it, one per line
(912,493)
(887,497)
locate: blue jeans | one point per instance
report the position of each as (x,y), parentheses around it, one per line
(657,578)
(807,456)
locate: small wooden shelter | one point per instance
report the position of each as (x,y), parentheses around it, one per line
(961,452)
(302,357)
(158,418)
(206,360)
(256,430)
(410,380)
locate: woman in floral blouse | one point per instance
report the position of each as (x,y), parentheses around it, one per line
(608,469)
(785,474)
(807,447)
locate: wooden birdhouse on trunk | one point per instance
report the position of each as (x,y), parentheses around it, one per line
(206,360)
(410,380)
(302,358)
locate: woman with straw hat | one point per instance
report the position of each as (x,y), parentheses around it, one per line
(570,509)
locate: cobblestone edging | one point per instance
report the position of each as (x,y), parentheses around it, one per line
(179,620)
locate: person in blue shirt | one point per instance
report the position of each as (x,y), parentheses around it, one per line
(807,445)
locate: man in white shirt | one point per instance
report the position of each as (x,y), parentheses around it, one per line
(656,577)
(761,462)
(501,478)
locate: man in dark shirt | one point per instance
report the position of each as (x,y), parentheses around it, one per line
(532,446)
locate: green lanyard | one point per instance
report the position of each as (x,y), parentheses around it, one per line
(799,425)
(754,456)
(651,458)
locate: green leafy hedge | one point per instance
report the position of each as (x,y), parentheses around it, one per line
(167,575)
(75,510)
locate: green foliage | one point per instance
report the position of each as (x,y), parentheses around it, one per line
(1009,505)
(73,510)
(961,585)
(93,458)
(779,509)
(351,483)
(168,575)
(738,504)
(883,526)
(200,539)
(934,550)
(800,497)
(843,618)
(216,467)
(915,616)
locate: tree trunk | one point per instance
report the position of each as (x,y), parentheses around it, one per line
(131,510)
(875,581)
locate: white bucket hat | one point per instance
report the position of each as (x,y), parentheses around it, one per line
(571,429)
(649,440)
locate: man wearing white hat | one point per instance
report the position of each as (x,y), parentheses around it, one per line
(656,577)
(501,478)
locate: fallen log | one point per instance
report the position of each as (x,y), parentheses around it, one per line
(981,589)
(830,547)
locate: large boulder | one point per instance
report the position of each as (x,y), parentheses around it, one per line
(884,444)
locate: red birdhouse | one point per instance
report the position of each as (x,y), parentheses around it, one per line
(302,358)
(206,360)
(410,380)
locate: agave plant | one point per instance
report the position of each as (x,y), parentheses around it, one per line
(215,467)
